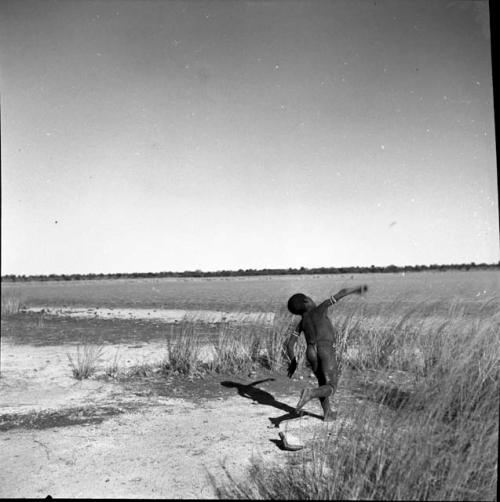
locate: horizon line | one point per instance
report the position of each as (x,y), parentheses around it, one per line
(267,271)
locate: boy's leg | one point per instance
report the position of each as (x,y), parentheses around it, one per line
(307,394)
(328,413)
(312,356)
(323,392)
(324,364)
(327,363)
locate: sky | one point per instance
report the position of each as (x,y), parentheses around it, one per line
(147,136)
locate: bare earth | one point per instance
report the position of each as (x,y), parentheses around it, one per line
(159,314)
(109,438)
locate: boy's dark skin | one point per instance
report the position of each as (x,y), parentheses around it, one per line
(320,338)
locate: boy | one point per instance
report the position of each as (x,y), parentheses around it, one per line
(320,338)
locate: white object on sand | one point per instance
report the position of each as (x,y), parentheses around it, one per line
(291,442)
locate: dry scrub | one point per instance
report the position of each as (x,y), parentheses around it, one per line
(11,304)
(84,365)
(442,442)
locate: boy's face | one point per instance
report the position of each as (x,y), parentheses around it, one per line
(309,303)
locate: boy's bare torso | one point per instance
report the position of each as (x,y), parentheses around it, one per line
(317,327)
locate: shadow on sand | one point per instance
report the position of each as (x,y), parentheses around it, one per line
(250,391)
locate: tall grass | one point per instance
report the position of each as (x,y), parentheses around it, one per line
(112,369)
(183,351)
(234,349)
(11,304)
(443,444)
(84,364)
(235,352)
(401,337)
(244,348)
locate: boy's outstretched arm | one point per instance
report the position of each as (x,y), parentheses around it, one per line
(358,290)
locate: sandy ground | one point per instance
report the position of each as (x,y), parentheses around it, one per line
(163,315)
(150,445)
(164,450)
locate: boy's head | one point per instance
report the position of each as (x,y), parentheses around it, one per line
(300,303)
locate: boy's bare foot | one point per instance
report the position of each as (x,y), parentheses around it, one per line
(305,396)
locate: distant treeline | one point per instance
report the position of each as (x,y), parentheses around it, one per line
(253,272)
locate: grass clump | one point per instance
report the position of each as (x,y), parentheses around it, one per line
(245,348)
(11,304)
(84,364)
(112,369)
(234,349)
(183,351)
(144,370)
(232,354)
(237,350)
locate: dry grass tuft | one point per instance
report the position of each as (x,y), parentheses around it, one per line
(143,370)
(85,363)
(11,304)
(238,350)
(183,351)
(112,370)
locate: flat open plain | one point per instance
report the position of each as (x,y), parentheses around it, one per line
(157,436)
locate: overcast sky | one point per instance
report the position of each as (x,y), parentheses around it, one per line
(171,135)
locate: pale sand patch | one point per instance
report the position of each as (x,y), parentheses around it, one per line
(39,378)
(161,315)
(165,451)
(164,448)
